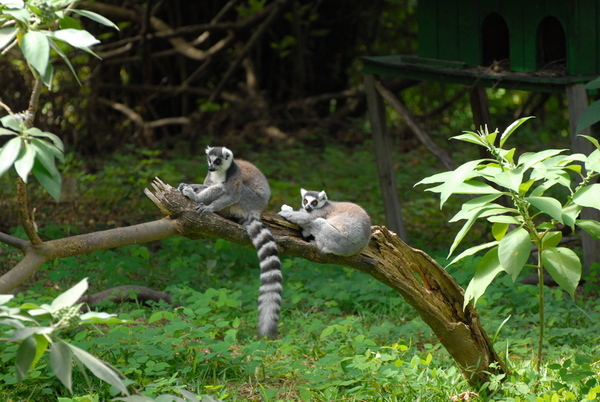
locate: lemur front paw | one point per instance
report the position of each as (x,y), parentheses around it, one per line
(286,208)
(187,191)
(202,208)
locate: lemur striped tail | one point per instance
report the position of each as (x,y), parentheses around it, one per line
(269,299)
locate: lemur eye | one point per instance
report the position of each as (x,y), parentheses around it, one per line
(304,202)
(314,203)
(218,162)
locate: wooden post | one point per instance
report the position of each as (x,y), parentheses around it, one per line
(383,156)
(577,103)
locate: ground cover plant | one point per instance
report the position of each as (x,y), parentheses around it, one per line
(346,337)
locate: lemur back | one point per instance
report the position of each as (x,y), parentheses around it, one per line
(239,190)
(341,228)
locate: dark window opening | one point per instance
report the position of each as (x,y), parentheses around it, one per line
(552,43)
(495,40)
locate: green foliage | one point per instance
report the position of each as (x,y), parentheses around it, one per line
(34,337)
(536,217)
(32,26)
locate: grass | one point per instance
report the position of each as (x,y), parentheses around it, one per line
(345,336)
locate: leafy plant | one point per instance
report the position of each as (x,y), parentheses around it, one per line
(534,218)
(39,327)
(38,28)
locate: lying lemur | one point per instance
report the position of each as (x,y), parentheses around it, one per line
(341,228)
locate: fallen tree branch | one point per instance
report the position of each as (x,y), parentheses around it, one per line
(419,279)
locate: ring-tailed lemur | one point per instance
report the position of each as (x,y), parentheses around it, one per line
(239,190)
(341,228)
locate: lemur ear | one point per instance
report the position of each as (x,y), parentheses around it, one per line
(302,192)
(226,153)
(208,149)
(322,195)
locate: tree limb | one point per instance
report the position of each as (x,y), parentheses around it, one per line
(419,279)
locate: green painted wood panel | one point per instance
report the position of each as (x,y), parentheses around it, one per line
(428,28)
(448,29)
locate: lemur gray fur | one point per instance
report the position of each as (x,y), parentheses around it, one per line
(341,228)
(236,189)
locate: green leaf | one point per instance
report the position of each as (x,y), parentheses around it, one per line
(551,239)
(95,17)
(592,140)
(471,137)
(590,226)
(592,164)
(590,115)
(25,356)
(41,343)
(21,15)
(9,153)
(36,50)
(588,196)
(564,266)
(51,182)
(463,172)
(7,36)
(4,131)
(530,159)
(61,361)
(14,122)
(510,129)
(70,296)
(24,162)
(36,132)
(499,230)
(547,205)
(513,251)
(75,37)
(487,269)
(510,179)
(62,54)
(26,332)
(49,152)
(99,368)
(511,220)
(471,251)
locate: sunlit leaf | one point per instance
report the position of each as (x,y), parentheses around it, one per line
(592,164)
(99,368)
(463,172)
(590,226)
(513,251)
(511,220)
(471,251)
(36,50)
(471,137)
(529,159)
(510,179)
(588,196)
(564,266)
(487,269)
(499,230)
(551,239)
(7,36)
(36,132)
(95,17)
(26,332)
(61,361)
(70,296)
(510,129)
(25,160)
(547,205)
(592,140)
(9,153)
(41,343)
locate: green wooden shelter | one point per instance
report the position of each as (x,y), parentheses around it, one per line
(549,46)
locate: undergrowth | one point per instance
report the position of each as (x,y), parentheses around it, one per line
(345,336)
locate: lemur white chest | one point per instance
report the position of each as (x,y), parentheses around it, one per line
(218,177)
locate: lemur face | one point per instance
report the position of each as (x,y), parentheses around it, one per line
(218,158)
(313,199)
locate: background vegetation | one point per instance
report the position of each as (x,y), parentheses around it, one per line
(295,107)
